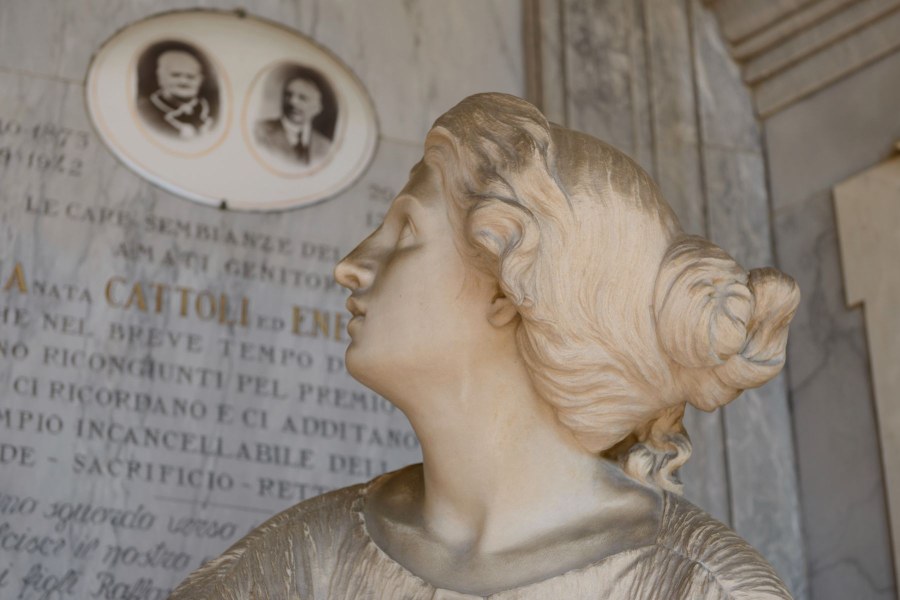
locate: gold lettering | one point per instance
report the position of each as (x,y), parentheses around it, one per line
(185,292)
(340,326)
(206,305)
(137,296)
(320,325)
(321,320)
(210,305)
(16,279)
(223,310)
(297,320)
(109,287)
(160,293)
(245,311)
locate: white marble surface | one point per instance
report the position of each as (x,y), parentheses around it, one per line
(444,51)
(845,525)
(606,90)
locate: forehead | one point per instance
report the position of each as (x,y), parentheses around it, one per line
(424,185)
(301,86)
(181,61)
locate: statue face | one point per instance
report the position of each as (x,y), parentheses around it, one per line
(179,75)
(419,308)
(301,101)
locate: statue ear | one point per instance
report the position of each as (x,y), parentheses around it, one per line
(502,311)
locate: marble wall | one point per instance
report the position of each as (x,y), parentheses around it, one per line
(844,129)
(281,418)
(823,76)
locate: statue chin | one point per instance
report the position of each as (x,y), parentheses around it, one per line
(496,307)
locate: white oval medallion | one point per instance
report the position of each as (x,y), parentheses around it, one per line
(231,110)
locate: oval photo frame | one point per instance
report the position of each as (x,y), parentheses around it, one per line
(231,111)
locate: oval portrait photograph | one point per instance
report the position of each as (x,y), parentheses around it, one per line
(230,110)
(295,125)
(177,91)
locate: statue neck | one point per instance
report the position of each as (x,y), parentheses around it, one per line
(499,469)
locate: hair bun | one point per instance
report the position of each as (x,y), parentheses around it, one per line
(703,304)
(777,297)
(727,327)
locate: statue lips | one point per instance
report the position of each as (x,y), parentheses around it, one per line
(356,310)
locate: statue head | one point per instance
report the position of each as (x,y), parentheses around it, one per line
(622,318)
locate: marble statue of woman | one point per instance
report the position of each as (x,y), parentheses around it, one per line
(533,306)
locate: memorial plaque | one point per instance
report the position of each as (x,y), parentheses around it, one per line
(230,110)
(171,374)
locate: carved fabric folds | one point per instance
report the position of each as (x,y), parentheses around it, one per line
(320,550)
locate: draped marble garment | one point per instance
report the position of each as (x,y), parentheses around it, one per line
(320,550)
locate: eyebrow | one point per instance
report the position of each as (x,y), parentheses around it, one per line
(416,166)
(406,200)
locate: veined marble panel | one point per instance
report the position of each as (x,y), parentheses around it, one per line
(844,516)
(868,216)
(544,58)
(828,137)
(705,475)
(606,83)
(811,146)
(725,105)
(765,503)
(738,206)
(673,110)
(430,55)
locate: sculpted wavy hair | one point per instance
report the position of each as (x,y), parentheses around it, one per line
(623,318)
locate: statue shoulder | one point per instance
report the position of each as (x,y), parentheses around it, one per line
(722,562)
(285,544)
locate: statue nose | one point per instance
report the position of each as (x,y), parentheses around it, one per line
(355,271)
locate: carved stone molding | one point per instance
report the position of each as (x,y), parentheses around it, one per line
(789,49)
(545,73)
(868,216)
